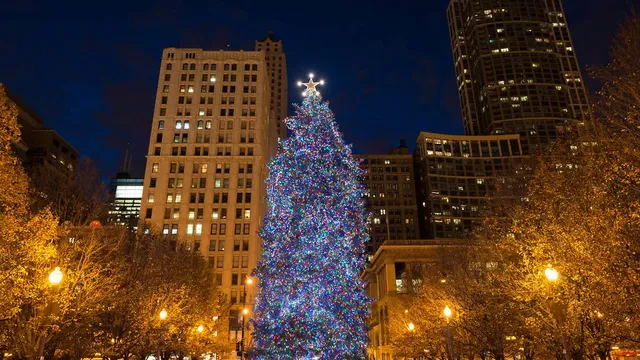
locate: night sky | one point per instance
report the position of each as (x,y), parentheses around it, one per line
(90,68)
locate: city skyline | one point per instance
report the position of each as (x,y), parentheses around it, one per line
(93,80)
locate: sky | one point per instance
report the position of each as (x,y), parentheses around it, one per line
(90,68)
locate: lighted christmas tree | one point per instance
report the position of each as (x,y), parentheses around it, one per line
(312,303)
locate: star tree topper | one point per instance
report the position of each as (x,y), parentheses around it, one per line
(311,86)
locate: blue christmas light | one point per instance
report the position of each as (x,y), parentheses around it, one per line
(312,303)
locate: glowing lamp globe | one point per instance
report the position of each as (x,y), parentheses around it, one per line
(411,326)
(95,224)
(163,314)
(551,273)
(447,311)
(55,277)
(200,328)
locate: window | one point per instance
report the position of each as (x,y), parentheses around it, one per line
(186,125)
(148,213)
(178,124)
(214,231)
(189,229)
(152,182)
(220,262)
(151,198)
(179,196)
(161,125)
(198,230)
(155,167)
(208,124)
(165,229)
(247,213)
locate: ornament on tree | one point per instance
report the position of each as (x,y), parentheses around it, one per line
(312,303)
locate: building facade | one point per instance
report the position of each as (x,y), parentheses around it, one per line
(456,173)
(388,280)
(126,195)
(204,178)
(517,71)
(277,69)
(40,147)
(390,196)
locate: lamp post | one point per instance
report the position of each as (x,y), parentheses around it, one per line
(163,316)
(552,276)
(245,311)
(55,278)
(447,314)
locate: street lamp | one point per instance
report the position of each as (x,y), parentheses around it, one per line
(200,329)
(163,316)
(55,278)
(411,326)
(447,314)
(552,276)
(245,311)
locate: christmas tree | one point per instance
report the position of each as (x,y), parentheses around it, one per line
(312,303)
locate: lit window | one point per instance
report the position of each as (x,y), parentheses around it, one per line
(151,198)
(198,229)
(169,198)
(178,124)
(200,122)
(189,229)
(186,124)
(376,220)
(161,125)
(215,214)
(247,213)
(203,168)
(383,212)
(208,124)
(192,214)
(190,89)
(178,197)
(155,167)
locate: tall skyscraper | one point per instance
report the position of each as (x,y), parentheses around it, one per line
(391,197)
(277,70)
(209,144)
(126,195)
(516,69)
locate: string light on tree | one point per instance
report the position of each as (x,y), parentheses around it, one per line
(312,303)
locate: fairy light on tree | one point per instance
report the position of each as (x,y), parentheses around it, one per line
(312,303)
